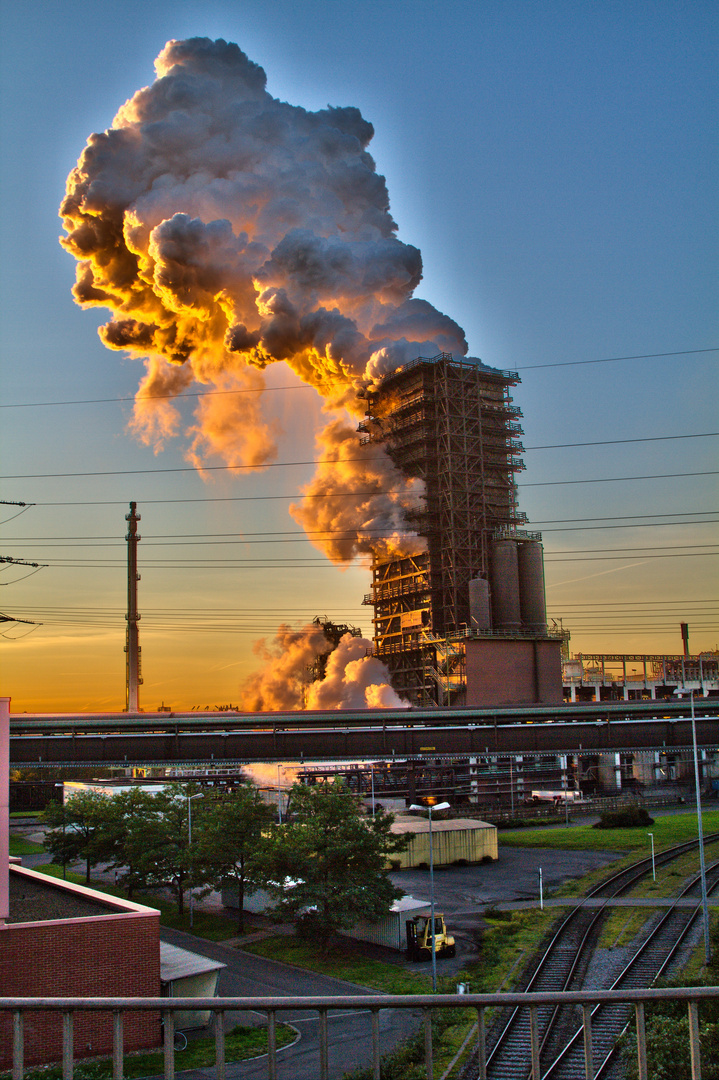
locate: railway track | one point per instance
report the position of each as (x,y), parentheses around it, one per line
(562,967)
(651,960)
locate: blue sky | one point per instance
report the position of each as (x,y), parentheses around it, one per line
(555,163)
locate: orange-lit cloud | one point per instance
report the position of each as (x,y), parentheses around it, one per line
(354,679)
(357,500)
(226,230)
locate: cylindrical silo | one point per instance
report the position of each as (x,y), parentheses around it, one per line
(506,614)
(479,614)
(531,586)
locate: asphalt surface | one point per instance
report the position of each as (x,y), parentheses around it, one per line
(462,893)
(349,1031)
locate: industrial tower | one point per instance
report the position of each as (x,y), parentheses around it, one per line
(452,423)
(133,677)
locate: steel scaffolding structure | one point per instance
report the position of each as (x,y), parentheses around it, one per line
(450,422)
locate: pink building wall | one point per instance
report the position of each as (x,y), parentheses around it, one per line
(4,806)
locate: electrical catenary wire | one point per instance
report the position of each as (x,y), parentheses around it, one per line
(285,537)
(303,386)
(358,494)
(332,461)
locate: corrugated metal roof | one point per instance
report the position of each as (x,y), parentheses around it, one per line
(176,963)
(408,903)
(421,825)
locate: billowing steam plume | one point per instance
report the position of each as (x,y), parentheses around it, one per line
(354,680)
(227,230)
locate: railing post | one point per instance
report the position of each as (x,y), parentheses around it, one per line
(219,1018)
(429,1066)
(18,1045)
(168,1018)
(588,1051)
(67,1044)
(375,1045)
(641,1041)
(118,1047)
(534,1042)
(694,1048)
(272,1045)
(324,1054)
(481,1045)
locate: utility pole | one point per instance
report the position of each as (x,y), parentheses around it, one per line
(132,644)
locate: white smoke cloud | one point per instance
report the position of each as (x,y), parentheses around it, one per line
(354,678)
(357,499)
(282,681)
(226,230)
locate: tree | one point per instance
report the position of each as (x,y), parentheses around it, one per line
(122,840)
(162,851)
(230,842)
(75,829)
(327,867)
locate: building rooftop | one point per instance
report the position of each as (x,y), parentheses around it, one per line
(35,897)
(408,824)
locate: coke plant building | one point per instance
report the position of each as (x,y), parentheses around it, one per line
(462,619)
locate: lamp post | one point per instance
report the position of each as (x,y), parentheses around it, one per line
(429,809)
(700,831)
(64,853)
(197,795)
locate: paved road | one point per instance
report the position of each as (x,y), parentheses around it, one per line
(350,1040)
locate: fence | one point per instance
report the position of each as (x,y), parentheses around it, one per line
(271,1006)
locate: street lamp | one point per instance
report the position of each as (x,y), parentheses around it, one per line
(64,852)
(429,809)
(197,795)
(702,870)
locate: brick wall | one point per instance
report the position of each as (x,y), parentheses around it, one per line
(115,955)
(513,672)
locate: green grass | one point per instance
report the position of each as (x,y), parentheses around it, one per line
(25,813)
(668,829)
(240,1043)
(508,937)
(622,925)
(345,961)
(20,846)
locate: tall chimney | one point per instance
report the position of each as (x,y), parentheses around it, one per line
(685,637)
(132,644)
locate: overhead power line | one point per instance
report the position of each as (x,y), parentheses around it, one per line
(305,386)
(287,536)
(617,479)
(358,494)
(615,359)
(331,461)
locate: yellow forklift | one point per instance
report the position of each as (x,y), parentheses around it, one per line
(419,938)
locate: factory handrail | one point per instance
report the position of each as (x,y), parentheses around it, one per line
(371,1003)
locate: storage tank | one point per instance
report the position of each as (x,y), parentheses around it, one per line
(506,613)
(479,613)
(531,586)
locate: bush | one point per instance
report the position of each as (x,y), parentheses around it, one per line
(631,817)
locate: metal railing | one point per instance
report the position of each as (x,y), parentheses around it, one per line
(373,1004)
